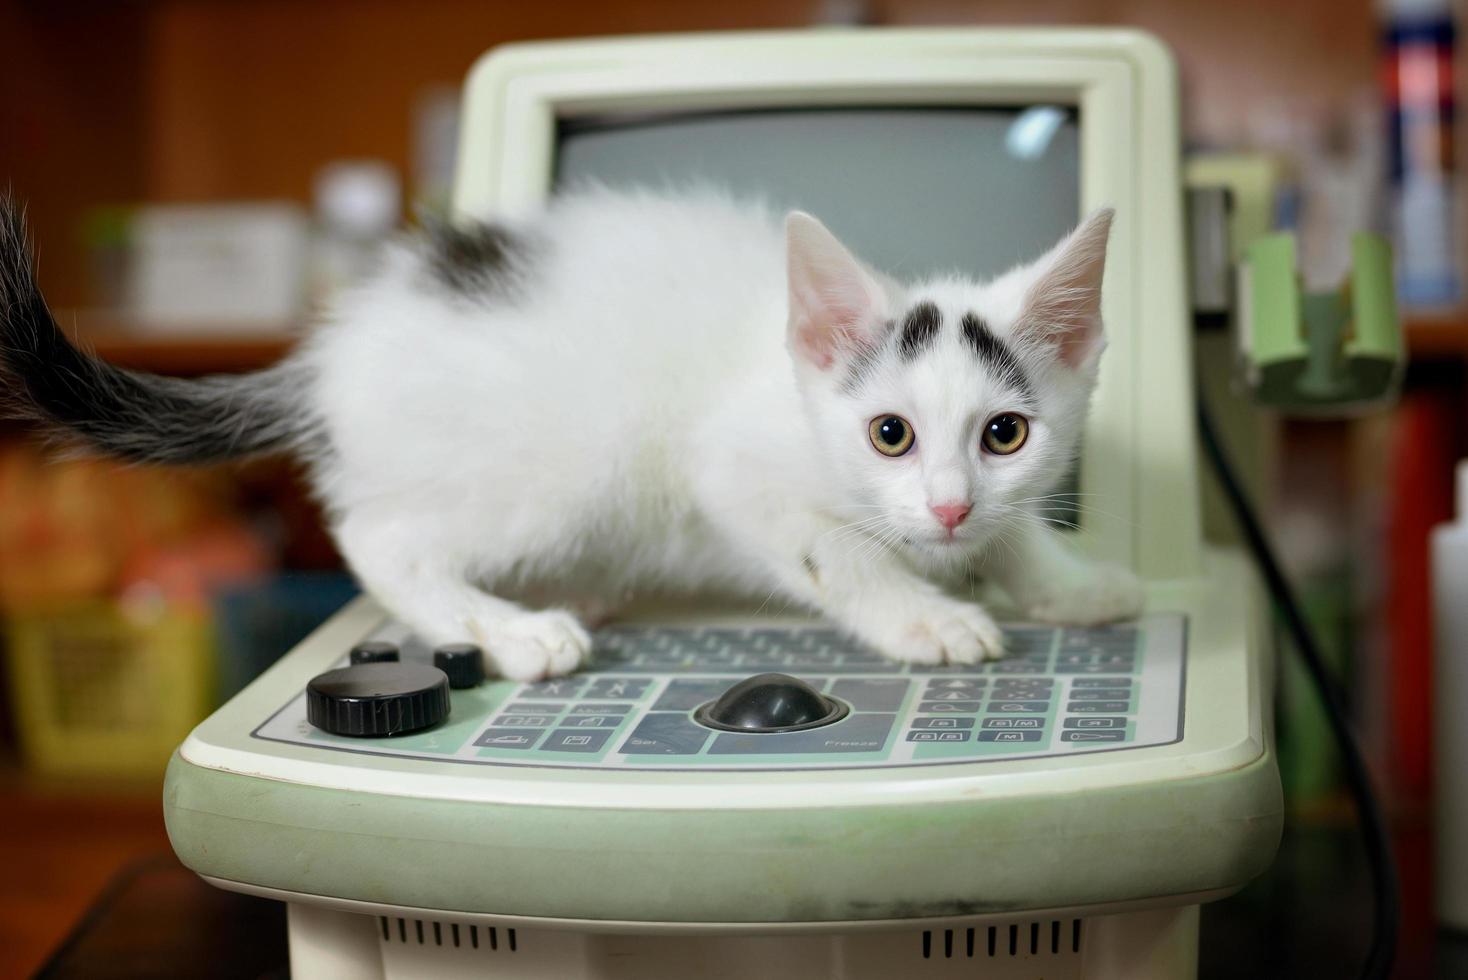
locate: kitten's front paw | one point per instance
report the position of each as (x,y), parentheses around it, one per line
(534,646)
(941,632)
(1106,593)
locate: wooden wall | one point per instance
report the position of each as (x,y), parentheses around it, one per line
(180,100)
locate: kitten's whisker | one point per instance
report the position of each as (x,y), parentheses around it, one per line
(878,543)
(856,529)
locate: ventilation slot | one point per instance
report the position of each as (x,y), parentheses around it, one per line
(1016,939)
(418,932)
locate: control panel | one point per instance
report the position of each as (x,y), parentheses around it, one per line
(774,698)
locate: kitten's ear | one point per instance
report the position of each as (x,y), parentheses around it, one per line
(837,304)
(1062,306)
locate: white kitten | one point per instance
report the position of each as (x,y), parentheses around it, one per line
(638,392)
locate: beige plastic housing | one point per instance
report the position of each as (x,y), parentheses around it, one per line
(1138,470)
(849,874)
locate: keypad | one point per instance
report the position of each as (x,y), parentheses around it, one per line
(1053,687)
(1056,692)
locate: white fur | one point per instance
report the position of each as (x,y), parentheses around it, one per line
(631,416)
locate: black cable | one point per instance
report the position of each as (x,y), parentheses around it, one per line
(1385,887)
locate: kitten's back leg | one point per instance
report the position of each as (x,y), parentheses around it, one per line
(434,593)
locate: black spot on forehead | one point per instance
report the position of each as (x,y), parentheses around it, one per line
(919,328)
(994,352)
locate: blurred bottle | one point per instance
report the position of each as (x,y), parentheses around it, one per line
(107,231)
(435,146)
(1419,50)
(1450,710)
(358,204)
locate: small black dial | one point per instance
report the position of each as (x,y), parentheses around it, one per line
(375,700)
(374,652)
(463,662)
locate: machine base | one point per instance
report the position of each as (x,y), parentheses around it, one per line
(1153,943)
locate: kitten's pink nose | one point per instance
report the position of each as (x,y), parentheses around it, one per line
(949,515)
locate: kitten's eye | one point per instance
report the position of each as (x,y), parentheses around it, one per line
(891,436)
(1005,433)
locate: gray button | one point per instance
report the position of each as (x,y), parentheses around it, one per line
(593,721)
(534,708)
(942,723)
(1020,694)
(955,684)
(951,695)
(662,660)
(855,733)
(1113,735)
(1098,707)
(988,736)
(1090,683)
(625,668)
(563,687)
(571,740)
(1018,707)
(1004,683)
(948,707)
(925,736)
(600,709)
(1011,723)
(880,694)
(862,667)
(618,687)
(524,721)
(815,661)
(685,695)
(1084,669)
(665,734)
(508,738)
(1102,694)
(1102,633)
(1098,644)
(1012,633)
(1109,721)
(1020,668)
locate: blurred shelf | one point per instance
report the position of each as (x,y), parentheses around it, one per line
(220,349)
(189,354)
(180,351)
(1437,335)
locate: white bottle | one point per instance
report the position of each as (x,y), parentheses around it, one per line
(1450,710)
(358,204)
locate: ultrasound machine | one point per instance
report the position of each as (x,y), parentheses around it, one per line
(722,794)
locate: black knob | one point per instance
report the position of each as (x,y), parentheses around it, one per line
(374,700)
(462,662)
(770,703)
(374,652)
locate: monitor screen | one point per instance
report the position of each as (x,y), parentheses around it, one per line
(912,190)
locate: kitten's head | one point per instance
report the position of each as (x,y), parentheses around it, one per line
(948,407)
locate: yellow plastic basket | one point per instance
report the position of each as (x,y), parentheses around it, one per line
(98,690)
